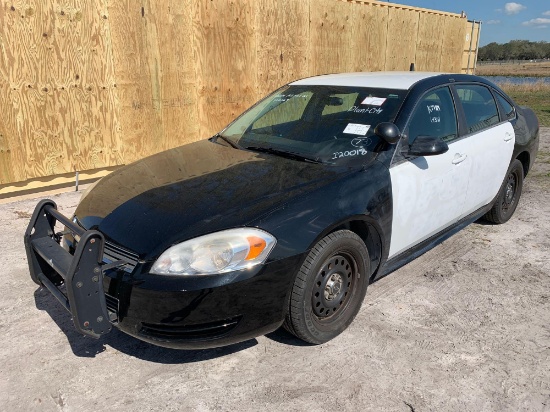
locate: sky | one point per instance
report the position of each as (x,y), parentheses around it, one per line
(502,21)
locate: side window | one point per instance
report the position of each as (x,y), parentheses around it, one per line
(435,116)
(509,111)
(479,107)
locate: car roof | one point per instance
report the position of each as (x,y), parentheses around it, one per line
(387,80)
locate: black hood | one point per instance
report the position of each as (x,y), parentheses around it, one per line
(192,190)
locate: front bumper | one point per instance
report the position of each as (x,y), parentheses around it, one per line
(196,312)
(178,312)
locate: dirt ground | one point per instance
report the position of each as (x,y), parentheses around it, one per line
(465,327)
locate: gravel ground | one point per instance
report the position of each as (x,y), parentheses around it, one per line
(463,327)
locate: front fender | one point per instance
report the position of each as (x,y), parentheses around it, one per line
(362,196)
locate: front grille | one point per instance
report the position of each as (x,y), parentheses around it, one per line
(190,332)
(112,253)
(112,307)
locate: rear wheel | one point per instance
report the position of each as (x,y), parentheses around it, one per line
(329,288)
(508,197)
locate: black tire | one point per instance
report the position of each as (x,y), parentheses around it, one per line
(329,288)
(508,196)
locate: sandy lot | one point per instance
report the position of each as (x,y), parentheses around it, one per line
(464,327)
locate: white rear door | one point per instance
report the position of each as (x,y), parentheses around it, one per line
(490,143)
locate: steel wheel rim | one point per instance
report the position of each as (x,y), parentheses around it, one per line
(509,192)
(333,286)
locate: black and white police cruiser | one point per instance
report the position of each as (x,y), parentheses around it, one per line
(287,215)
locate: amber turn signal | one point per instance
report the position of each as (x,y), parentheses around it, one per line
(257,245)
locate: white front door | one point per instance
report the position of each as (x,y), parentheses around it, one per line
(428,195)
(428,192)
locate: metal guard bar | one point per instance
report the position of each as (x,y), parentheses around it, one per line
(51,266)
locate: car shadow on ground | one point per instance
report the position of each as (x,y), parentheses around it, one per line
(281,335)
(482,222)
(88,347)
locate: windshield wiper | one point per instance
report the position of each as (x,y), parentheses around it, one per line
(283,153)
(227,140)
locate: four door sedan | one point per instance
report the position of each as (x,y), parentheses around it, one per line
(288,214)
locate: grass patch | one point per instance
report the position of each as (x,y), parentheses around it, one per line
(534,95)
(517,70)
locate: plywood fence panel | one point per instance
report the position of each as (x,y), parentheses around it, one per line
(140,121)
(226,63)
(282,38)
(453,40)
(330,37)
(369,37)
(62,111)
(18,72)
(83,60)
(88,85)
(402,35)
(11,148)
(429,43)
(170,35)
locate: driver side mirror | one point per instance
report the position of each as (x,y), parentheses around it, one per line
(388,132)
(427,146)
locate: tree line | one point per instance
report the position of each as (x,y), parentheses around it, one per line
(515,50)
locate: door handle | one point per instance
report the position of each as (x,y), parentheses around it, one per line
(459,158)
(508,136)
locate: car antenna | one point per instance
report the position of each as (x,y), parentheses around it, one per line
(412,69)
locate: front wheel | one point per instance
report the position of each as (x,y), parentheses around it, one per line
(508,196)
(329,288)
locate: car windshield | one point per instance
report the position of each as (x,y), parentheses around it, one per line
(328,124)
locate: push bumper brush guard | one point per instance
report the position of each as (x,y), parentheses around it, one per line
(81,274)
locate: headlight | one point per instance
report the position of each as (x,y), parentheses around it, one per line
(215,253)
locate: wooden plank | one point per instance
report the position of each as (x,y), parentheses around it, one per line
(369,36)
(470,47)
(282,38)
(402,35)
(330,37)
(429,42)
(475,47)
(225,61)
(170,49)
(137,76)
(475,38)
(404,7)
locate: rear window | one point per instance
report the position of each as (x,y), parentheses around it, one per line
(479,107)
(509,111)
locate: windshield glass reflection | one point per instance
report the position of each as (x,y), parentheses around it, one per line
(329,124)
